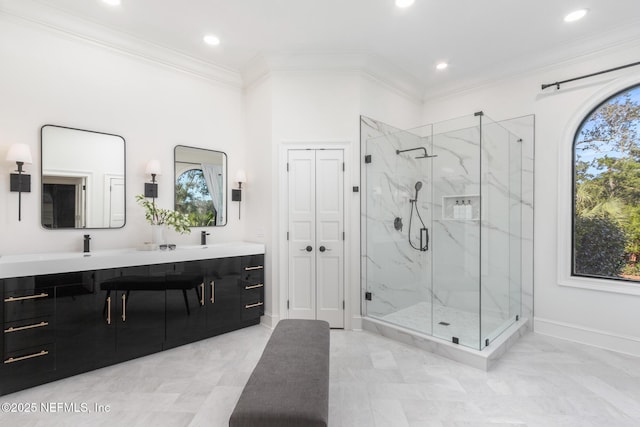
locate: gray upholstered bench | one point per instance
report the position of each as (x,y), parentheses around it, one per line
(290,384)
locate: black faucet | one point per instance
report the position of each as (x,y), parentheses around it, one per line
(203,237)
(87,239)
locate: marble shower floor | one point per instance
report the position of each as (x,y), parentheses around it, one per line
(462,324)
(541,382)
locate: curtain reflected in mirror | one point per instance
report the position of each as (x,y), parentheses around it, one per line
(83,179)
(200,185)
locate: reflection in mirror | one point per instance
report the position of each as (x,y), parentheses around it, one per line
(201,185)
(83,179)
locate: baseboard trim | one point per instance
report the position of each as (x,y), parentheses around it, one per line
(596,338)
(269,320)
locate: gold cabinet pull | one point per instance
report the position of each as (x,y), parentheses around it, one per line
(124,307)
(258,304)
(108,310)
(29,356)
(213,292)
(13,299)
(202,293)
(259,285)
(22,328)
(258,267)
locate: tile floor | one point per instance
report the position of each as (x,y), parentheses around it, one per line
(541,381)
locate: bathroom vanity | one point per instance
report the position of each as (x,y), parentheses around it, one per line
(68,313)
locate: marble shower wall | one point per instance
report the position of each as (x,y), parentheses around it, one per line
(397,275)
(498,245)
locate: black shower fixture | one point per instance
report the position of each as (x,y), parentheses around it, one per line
(424,156)
(424,231)
(418,187)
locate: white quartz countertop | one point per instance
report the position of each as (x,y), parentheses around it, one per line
(62,262)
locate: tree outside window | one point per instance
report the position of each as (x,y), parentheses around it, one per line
(606,190)
(193,198)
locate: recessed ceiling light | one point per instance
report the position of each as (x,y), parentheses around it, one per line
(442,66)
(575,15)
(112,2)
(404,3)
(211,40)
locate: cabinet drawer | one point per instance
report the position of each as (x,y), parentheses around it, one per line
(28,304)
(252,267)
(19,284)
(252,310)
(30,360)
(27,333)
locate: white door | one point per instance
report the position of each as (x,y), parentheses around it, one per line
(116,202)
(316,235)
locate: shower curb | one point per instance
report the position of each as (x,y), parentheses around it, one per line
(480,359)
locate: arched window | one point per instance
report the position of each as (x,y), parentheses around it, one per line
(193,198)
(606,190)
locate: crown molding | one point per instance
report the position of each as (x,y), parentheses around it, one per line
(68,25)
(372,66)
(529,65)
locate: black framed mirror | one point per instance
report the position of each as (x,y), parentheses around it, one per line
(83,179)
(200,177)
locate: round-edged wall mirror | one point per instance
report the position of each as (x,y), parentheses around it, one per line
(201,185)
(83,179)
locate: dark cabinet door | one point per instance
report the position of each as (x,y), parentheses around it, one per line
(224,295)
(138,309)
(85,329)
(186,303)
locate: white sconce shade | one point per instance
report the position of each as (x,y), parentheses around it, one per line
(241,176)
(153,168)
(19,153)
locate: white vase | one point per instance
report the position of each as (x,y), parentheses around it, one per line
(158,234)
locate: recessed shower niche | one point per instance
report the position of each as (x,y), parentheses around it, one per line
(446,230)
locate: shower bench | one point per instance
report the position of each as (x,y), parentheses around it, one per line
(290,384)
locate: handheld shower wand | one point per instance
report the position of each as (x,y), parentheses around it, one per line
(418,188)
(424,231)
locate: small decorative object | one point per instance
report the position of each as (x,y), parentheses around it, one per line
(159,218)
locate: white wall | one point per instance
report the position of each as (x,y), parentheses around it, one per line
(289,109)
(601,318)
(258,204)
(53,78)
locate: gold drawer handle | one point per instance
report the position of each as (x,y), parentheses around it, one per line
(13,299)
(108,310)
(124,307)
(258,304)
(17,359)
(259,285)
(22,328)
(202,293)
(259,267)
(213,292)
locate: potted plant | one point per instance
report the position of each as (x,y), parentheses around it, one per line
(160,218)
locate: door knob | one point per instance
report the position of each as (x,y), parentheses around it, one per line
(308,249)
(322,249)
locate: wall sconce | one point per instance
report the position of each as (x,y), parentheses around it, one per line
(151,188)
(20,182)
(236,194)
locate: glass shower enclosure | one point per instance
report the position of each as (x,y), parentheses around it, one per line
(441,228)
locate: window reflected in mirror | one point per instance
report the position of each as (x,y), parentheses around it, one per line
(200,185)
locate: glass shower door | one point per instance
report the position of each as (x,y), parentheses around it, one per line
(397,222)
